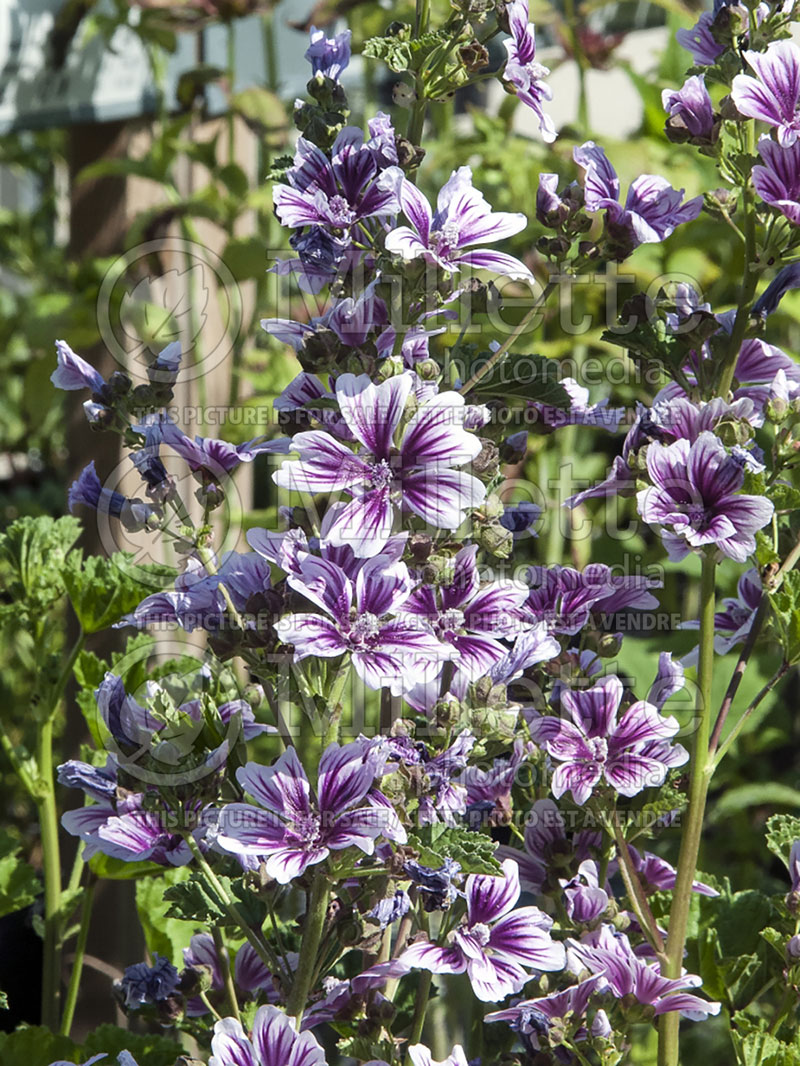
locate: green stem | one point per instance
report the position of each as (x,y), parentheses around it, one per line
(734,733)
(309,947)
(335,705)
(261,949)
(73,988)
(636,894)
(668,1047)
(518,330)
(420,1006)
(225,969)
(51,865)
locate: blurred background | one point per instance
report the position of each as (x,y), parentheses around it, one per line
(136,144)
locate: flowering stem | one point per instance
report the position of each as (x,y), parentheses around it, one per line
(668,1048)
(335,703)
(765,691)
(636,894)
(518,330)
(771,584)
(312,935)
(71,999)
(51,863)
(750,279)
(420,1006)
(230,907)
(225,969)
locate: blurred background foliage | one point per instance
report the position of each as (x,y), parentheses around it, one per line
(46,292)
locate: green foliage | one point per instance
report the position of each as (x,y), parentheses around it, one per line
(163,934)
(474,851)
(400,53)
(35,550)
(19,885)
(36,1046)
(782,831)
(102,590)
(192,900)
(147,1049)
(755,1046)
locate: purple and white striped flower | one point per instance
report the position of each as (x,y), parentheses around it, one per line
(462,219)
(337,194)
(496,943)
(522,72)
(548,847)
(421,1056)
(691,114)
(773,95)
(361,620)
(328,55)
(609,954)
(700,41)
(597,746)
(413,473)
(532,1018)
(695,494)
(292,828)
(468,619)
(652,207)
(778,181)
(274,1041)
(88,490)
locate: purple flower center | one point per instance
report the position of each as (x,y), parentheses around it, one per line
(481,933)
(698,515)
(340,211)
(365,629)
(306,829)
(599,748)
(449,623)
(382,475)
(445,238)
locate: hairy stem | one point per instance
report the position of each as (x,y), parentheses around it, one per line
(309,948)
(233,912)
(71,999)
(668,1049)
(51,866)
(636,894)
(225,969)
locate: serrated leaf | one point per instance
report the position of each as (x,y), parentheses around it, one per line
(399,54)
(782,831)
(529,377)
(35,1046)
(36,550)
(474,851)
(102,590)
(19,885)
(147,1049)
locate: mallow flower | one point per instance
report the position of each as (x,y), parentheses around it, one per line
(598,746)
(445,238)
(777,182)
(497,941)
(89,491)
(336,193)
(652,207)
(409,469)
(273,1041)
(694,494)
(772,96)
(360,620)
(328,55)
(291,828)
(609,954)
(522,72)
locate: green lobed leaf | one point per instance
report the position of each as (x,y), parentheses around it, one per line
(474,851)
(400,54)
(36,549)
(782,831)
(148,1049)
(103,590)
(19,885)
(163,933)
(36,1046)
